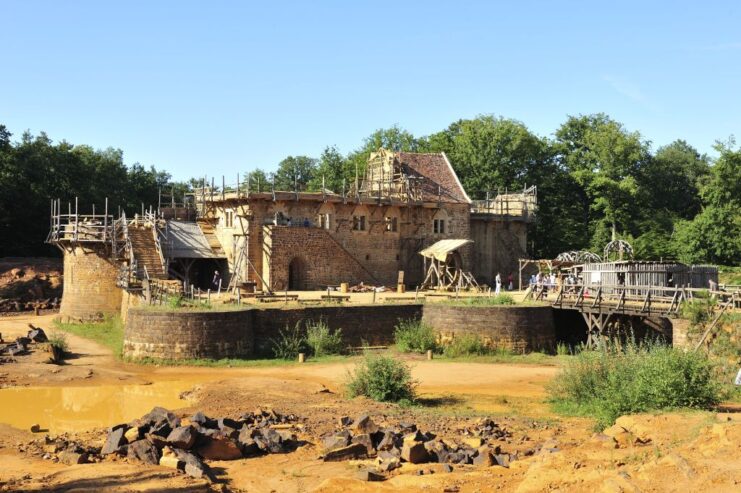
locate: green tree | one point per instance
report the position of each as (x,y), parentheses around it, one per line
(294,173)
(605,160)
(331,171)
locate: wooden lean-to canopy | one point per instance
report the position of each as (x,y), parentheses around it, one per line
(445,270)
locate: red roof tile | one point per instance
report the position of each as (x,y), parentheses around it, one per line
(439,180)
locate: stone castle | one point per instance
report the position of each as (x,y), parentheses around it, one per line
(293,240)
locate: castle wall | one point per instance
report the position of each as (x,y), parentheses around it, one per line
(90,291)
(379,251)
(520,329)
(496,247)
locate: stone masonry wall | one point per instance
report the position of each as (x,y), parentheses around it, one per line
(322,262)
(181,335)
(90,291)
(249,333)
(381,252)
(360,324)
(518,329)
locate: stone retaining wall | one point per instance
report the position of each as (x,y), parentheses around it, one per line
(181,335)
(248,333)
(516,328)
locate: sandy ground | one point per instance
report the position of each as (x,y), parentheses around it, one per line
(677,451)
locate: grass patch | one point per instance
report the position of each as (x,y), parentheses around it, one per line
(609,382)
(466,345)
(414,336)
(109,333)
(729,275)
(382,378)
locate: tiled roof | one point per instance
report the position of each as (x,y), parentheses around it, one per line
(439,179)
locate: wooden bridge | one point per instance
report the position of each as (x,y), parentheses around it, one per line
(599,304)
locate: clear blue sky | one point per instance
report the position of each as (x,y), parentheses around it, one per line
(219,87)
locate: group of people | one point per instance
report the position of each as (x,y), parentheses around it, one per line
(279,219)
(498,283)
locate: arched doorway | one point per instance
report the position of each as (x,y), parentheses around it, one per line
(297,274)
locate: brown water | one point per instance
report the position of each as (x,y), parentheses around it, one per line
(60,409)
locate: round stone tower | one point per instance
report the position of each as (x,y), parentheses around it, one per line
(90,291)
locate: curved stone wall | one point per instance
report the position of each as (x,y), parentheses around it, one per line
(247,333)
(516,328)
(183,334)
(90,291)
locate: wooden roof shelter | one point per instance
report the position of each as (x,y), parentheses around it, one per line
(445,271)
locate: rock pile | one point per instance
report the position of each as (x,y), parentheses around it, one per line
(20,345)
(160,437)
(361,438)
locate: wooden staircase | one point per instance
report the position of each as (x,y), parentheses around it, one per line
(208,231)
(145,252)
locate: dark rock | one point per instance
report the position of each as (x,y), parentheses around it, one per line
(219,447)
(502,459)
(157,440)
(414,452)
(483,458)
(447,468)
(276,443)
(15,349)
(366,440)
(37,335)
(183,437)
(201,419)
(345,421)
(406,427)
(194,466)
(114,440)
(70,458)
(222,423)
(364,424)
(354,451)
(161,428)
(336,440)
(416,436)
(23,342)
(369,475)
(389,441)
(159,415)
(144,451)
(35,428)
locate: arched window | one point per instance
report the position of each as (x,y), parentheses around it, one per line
(440,224)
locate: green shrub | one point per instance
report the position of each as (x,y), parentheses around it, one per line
(609,382)
(414,336)
(698,310)
(563,349)
(58,347)
(289,343)
(175,301)
(321,340)
(382,378)
(466,345)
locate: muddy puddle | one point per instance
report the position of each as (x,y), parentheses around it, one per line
(60,409)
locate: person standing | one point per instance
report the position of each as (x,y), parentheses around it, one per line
(498,284)
(510,282)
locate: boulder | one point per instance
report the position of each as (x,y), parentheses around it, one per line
(144,451)
(484,458)
(219,447)
(202,420)
(364,424)
(183,437)
(132,434)
(37,335)
(233,424)
(336,440)
(354,451)
(390,440)
(114,440)
(159,415)
(389,464)
(345,421)
(70,458)
(365,439)
(194,466)
(502,459)
(414,452)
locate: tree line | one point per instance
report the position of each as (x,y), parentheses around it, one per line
(595,178)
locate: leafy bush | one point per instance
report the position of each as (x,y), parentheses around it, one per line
(563,349)
(289,343)
(414,336)
(609,382)
(58,347)
(502,299)
(466,345)
(700,309)
(382,378)
(175,301)
(321,340)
